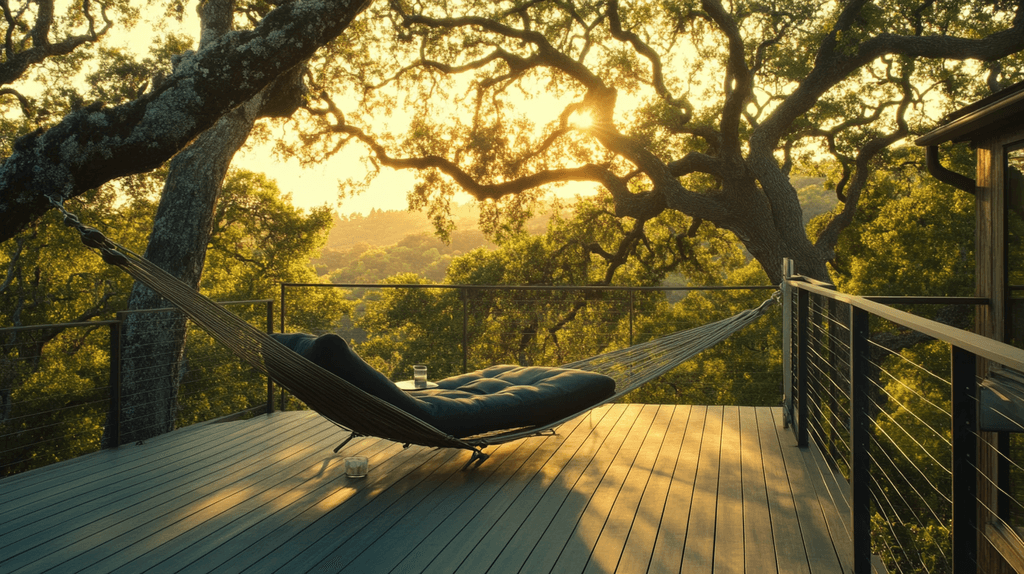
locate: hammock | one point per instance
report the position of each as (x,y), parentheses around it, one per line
(366,415)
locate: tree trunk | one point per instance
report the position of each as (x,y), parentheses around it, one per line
(152,357)
(154,342)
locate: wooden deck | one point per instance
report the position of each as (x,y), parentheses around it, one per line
(626,488)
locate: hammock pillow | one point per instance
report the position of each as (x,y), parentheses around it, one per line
(497,398)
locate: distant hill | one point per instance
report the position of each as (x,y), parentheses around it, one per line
(815,199)
(382,228)
(370,248)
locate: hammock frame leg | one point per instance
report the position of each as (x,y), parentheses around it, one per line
(346,441)
(477,459)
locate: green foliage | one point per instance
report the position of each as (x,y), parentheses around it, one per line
(396,328)
(57,378)
(914,236)
(745,369)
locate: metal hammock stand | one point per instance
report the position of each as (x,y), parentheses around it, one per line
(366,415)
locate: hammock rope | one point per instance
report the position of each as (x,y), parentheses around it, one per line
(364,414)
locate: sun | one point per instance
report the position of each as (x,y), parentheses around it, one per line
(582,119)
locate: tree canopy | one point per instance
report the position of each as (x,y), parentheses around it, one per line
(701,107)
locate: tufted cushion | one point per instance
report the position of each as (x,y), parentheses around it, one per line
(496,398)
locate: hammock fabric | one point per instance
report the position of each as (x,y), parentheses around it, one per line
(365,414)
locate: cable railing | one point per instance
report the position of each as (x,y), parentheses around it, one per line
(901,407)
(458,328)
(73,388)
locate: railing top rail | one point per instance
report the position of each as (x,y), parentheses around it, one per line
(222,303)
(115,321)
(529,287)
(982,346)
(60,325)
(927,300)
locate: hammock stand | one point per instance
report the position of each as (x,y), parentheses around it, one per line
(366,415)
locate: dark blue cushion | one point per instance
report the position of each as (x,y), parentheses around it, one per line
(496,398)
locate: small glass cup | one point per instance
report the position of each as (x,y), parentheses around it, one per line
(419,376)
(356,466)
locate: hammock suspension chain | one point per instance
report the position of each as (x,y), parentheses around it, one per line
(91,236)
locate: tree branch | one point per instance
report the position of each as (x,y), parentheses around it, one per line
(17,63)
(657,72)
(94,145)
(739,82)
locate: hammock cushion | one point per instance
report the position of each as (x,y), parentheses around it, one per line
(496,398)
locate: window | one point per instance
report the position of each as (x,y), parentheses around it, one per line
(1014,186)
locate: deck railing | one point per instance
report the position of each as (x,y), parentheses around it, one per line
(459,328)
(901,407)
(62,393)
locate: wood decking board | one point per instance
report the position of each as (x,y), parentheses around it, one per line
(757,521)
(574,497)
(180,502)
(333,491)
(448,545)
(699,548)
(310,543)
(667,554)
(119,506)
(387,539)
(822,554)
(470,554)
(790,554)
(515,536)
(626,488)
(63,482)
(729,547)
(205,528)
(64,475)
(601,534)
(639,545)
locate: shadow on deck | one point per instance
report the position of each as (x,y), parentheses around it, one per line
(626,488)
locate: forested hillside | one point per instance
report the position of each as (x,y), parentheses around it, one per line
(371,248)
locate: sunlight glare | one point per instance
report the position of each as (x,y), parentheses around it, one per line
(582,120)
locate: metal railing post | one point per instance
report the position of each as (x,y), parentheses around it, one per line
(802,320)
(114,416)
(270,381)
(787,341)
(964,406)
(860,441)
(465,328)
(632,315)
(282,307)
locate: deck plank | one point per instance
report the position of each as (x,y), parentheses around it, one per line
(789,550)
(477,554)
(332,492)
(667,554)
(449,544)
(822,555)
(83,530)
(598,481)
(217,526)
(626,488)
(601,550)
(383,543)
(699,548)
(758,538)
(729,543)
(643,534)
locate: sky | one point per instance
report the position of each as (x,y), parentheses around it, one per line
(318,185)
